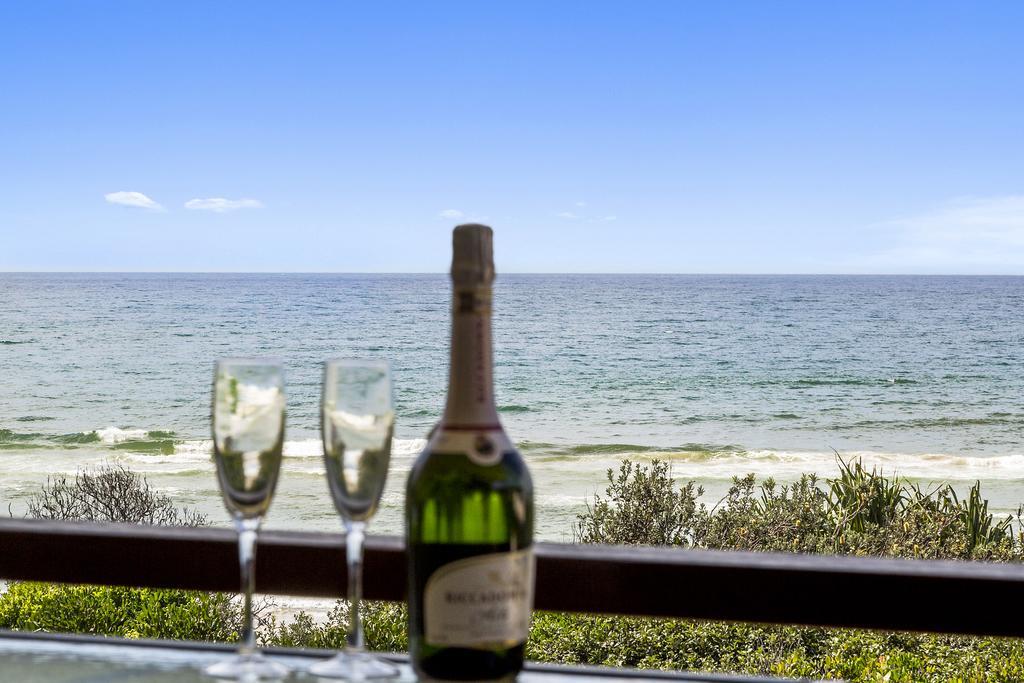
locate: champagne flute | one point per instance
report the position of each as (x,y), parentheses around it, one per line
(248,435)
(357,422)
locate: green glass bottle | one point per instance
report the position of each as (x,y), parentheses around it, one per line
(469,505)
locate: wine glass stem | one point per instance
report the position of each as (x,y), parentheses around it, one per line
(354,535)
(247,561)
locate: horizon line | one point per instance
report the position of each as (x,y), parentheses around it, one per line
(538,272)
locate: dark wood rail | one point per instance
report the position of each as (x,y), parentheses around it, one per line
(942,597)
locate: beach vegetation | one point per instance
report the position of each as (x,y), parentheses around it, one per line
(641,506)
(859,512)
(108,493)
(384,628)
(119,611)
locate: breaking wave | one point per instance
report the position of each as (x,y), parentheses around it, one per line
(160,450)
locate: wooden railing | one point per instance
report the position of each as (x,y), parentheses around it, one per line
(941,597)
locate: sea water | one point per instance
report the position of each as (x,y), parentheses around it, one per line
(719,375)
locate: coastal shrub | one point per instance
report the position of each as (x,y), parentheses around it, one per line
(115,611)
(384,628)
(859,656)
(978,523)
(860,500)
(641,507)
(859,512)
(109,493)
(766,517)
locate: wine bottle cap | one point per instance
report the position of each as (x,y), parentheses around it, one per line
(472,255)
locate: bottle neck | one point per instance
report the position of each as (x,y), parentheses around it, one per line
(470,379)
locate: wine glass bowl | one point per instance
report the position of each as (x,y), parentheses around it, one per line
(357,439)
(248,431)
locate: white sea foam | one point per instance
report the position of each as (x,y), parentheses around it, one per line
(916,465)
(112,435)
(698,463)
(199,448)
(787,465)
(406,448)
(300,448)
(303,448)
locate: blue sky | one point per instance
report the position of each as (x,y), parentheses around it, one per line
(594,137)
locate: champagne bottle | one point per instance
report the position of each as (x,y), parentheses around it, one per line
(469,505)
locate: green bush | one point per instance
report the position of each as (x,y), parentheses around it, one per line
(115,611)
(642,508)
(384,627)
(772,650)
(860,512)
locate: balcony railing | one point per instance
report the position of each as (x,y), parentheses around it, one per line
(890,594)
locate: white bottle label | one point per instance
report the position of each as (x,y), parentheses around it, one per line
(480,602)
(482,446)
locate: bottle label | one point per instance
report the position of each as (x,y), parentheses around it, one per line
(482,445)
(480,602)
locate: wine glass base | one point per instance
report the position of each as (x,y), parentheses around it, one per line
(247,667)
(355,666)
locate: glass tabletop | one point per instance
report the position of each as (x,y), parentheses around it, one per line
(40,658)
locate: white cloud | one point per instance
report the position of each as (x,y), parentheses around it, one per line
(581,204)
(451,213)
(135,200)
(967,234)
(573,216)
(222,205)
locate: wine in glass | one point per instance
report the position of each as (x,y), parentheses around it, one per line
(248,435)
(357,422)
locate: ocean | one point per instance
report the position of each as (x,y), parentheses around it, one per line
(720,375)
